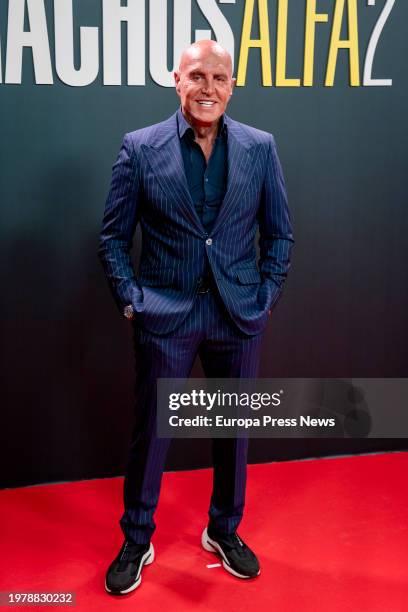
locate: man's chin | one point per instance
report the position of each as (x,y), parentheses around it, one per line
(205,118)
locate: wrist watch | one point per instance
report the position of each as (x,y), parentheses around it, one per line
(128,312)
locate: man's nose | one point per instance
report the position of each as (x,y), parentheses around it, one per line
(208,87)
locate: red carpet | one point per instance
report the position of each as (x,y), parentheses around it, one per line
(331,534)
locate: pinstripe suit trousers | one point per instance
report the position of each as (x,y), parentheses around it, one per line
(225,352)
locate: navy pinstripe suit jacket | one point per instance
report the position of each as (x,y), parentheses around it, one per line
(149,186)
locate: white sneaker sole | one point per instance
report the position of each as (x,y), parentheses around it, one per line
(147,559)
(212,546)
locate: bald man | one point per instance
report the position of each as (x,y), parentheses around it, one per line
(200,184)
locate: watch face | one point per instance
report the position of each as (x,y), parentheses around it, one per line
(128,312)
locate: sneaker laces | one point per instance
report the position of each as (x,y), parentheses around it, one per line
(129,553)
(233,541)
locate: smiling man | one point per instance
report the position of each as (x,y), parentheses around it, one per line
(200,184)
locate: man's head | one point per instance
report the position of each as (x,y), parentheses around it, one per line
(204,82)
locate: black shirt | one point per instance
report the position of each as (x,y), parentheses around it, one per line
(207,183)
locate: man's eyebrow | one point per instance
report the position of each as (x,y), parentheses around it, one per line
(201,73)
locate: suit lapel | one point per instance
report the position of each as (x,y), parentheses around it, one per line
(240,169)
(166,161)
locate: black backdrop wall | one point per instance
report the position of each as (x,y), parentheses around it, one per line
(67,368)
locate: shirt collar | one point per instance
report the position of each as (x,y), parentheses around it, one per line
(184,126)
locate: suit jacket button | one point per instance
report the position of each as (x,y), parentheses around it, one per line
(208,241)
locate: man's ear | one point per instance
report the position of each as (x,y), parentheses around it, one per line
(176,75)
(233,83)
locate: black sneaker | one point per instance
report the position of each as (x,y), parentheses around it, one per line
(125,572)
(236,557)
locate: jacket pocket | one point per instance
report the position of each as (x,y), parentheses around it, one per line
(248,276)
